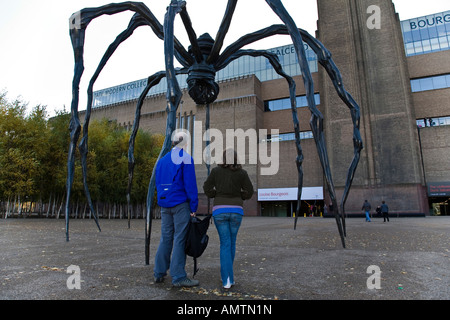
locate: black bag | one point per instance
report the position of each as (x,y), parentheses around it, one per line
(197,239)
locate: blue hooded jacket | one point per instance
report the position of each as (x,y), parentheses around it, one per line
(175,180)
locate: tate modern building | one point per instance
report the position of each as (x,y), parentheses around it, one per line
(397,72)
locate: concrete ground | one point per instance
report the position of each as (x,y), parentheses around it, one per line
(273,261)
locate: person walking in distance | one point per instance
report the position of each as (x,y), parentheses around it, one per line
(385,211)
(366,207)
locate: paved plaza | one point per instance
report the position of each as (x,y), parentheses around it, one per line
(273,261)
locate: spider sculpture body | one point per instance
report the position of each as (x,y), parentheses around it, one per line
(201,62)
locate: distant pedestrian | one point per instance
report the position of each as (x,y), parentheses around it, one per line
(366,207)
(378,211)
(385,211)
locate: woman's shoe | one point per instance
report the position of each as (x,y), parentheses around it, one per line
(228,284)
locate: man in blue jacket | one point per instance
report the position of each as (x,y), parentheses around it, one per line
(176,187)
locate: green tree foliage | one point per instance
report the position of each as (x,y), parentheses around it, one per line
(19,154)
(108,148)
(33,157)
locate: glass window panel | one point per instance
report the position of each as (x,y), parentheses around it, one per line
(441,30)
(426,45)
(416,35)
(272,74)
(439,82)
(443,42)
(246,64)
(433,32)
(264,75)
(435,44)
(241,64)
(286,103)
(182,123)
(405,26)
(424,34)
(277,105)
(418,47)
(252,64)
(407,37)
(426,84)
(415,86)
(410,49)
(420,123)
(219,75)
(225,73)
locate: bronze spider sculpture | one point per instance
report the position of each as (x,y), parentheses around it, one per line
(201,62)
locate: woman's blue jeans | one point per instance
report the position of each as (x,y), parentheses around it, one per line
(227,225)
(174,227)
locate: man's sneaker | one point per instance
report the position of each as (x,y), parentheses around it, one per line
(159,280)
(186,282)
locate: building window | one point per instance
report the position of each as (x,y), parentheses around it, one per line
(243,66)
(289,136)
(285,103)
(433,122)
(426,34)
(430,83)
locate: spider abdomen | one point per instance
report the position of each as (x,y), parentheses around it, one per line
(201,85)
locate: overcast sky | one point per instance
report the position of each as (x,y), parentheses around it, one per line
(36,57)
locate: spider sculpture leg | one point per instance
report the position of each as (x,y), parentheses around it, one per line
(274,61)
(136,22)
(316,121)
(208,149)
(173,96)
(151,82)
(324,58)
(78,24)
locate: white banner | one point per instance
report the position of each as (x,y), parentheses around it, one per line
(290,194)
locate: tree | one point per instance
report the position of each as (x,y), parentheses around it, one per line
(18,157)
(34,150)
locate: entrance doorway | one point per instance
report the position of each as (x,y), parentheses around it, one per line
(440,206)
(287,208)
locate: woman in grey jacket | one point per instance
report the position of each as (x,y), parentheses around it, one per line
(229,185)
